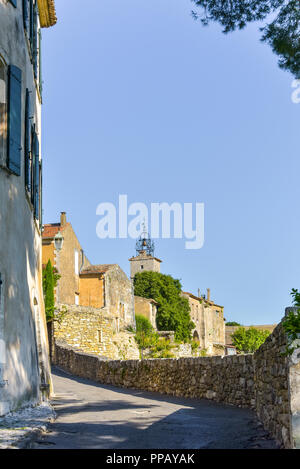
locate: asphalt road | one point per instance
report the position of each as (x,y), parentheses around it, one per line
(92,416)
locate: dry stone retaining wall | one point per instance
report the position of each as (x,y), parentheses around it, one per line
(266,381)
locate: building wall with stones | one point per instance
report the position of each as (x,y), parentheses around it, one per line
(95,331)
(143,261)
(91,290)
(68,261)
(266,381)
(277,386)
(146,307)
(208,318)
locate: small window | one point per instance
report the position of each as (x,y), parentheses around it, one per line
(142,267)
(100,336)
(76,260)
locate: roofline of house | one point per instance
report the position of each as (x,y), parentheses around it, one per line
(148,299)
(211,303)
(47,13)
(144,258)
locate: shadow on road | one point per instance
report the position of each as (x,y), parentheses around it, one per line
(92,415)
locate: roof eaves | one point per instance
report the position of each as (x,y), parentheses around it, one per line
(47,13)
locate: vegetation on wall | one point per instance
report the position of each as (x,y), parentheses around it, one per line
(50,279)
(148,339)
(248,340)
(173,311)
(282,32)
(48,290)
(291,323)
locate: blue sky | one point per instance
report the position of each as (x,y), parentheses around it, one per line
(140,99)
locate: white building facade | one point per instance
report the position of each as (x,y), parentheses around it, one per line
(24,365)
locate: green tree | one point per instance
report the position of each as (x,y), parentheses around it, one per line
(291,323)
(248,340)
(282,33)
(48,289)
(145,334)
(232,323)
(173,311)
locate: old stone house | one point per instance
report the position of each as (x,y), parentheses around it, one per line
(210,324)
(24,364)
(146,307)
(97,300)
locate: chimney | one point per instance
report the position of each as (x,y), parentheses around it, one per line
(63,219)
(208,294)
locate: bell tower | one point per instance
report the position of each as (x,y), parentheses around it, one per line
(144,259)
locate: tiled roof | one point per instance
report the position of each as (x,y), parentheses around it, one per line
(97,269)
(51,229)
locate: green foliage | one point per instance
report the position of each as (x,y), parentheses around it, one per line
(173,311)
(145,334)
(161,348)
(282,34)
(291,323)
(194,345)
(233,323)
(248,340)
(48,290)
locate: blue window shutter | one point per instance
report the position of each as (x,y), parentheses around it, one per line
(31,15)
(14,3)
(32,169)
(14,120)
(27,141)
(35,40)
(26,14)
(36,178)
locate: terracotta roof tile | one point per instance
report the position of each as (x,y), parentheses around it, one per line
(51,229)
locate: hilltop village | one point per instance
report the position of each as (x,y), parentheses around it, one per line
(96,305)
(65,320)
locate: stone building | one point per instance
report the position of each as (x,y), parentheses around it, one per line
(144,259)
(210,323)
(24,364)
(61,246)
(146,307)
(97,300)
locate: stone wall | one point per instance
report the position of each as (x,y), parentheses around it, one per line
(95,331)
(266,381)
(217,378)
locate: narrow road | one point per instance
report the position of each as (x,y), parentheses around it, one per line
(91,415)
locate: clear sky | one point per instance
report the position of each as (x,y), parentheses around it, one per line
(140,99)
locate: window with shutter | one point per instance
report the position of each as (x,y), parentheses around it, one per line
(35,40)
(32,168)
(37,178)
(26,14)
(31,15)
(14,120)
(27,142)
(3,112)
